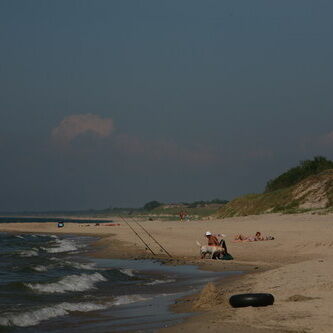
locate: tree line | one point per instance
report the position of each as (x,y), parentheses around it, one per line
(154,204)
(295,175)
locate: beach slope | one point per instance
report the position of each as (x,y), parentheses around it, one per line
(296,267)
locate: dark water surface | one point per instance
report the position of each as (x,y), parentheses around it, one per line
(48,284)
(15,219)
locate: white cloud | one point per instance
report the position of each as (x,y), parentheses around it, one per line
(75,125)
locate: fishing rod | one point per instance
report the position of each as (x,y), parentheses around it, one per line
(151,236)
(147,246)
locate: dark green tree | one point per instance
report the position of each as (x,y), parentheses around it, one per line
(151,205)
(295,175)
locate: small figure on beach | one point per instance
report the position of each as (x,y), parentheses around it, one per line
(224,255)
(213,249)
(256,237)
(212,240)
(217,247)
(182,215)
(223,244)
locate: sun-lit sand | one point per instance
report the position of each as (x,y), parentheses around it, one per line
(296,267)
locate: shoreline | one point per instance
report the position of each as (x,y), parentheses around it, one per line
(107,245)
(296,268)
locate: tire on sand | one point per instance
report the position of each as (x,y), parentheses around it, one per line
(243,300)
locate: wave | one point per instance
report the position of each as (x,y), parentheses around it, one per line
(32,318)
(79,265)
(60,262)
(69,283)
(63,245)
(127,271)
(128,299)
(39,268)
(29,253)
(159,282)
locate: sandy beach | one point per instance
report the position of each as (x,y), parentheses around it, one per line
(296,267)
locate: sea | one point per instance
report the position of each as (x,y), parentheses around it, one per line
(50,283)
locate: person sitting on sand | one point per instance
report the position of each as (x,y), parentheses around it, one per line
(224,255)
(214,246)
(212,240)
(219,240)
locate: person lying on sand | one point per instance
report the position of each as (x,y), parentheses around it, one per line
(257,237)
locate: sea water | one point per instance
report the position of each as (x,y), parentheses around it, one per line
(48,283)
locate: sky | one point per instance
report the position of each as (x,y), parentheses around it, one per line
(114,103)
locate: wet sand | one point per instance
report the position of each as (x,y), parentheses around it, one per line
(296,267)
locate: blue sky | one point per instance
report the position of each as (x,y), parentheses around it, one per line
(116,103)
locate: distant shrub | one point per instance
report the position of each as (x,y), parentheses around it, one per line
(204,203)
(151,205)
(218,201)
(295,175)
(197,204)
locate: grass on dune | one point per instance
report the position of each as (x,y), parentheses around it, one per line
(253,204)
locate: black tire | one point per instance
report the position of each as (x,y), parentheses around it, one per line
(242,300)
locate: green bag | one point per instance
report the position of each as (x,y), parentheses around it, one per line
(227,256)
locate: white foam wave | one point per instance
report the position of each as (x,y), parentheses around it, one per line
(19,236)
(78,265)
(32,318)
(128,299)
(29,253)
(39,268)
(63,245)
(69,283)
(127,271)
(159,282)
